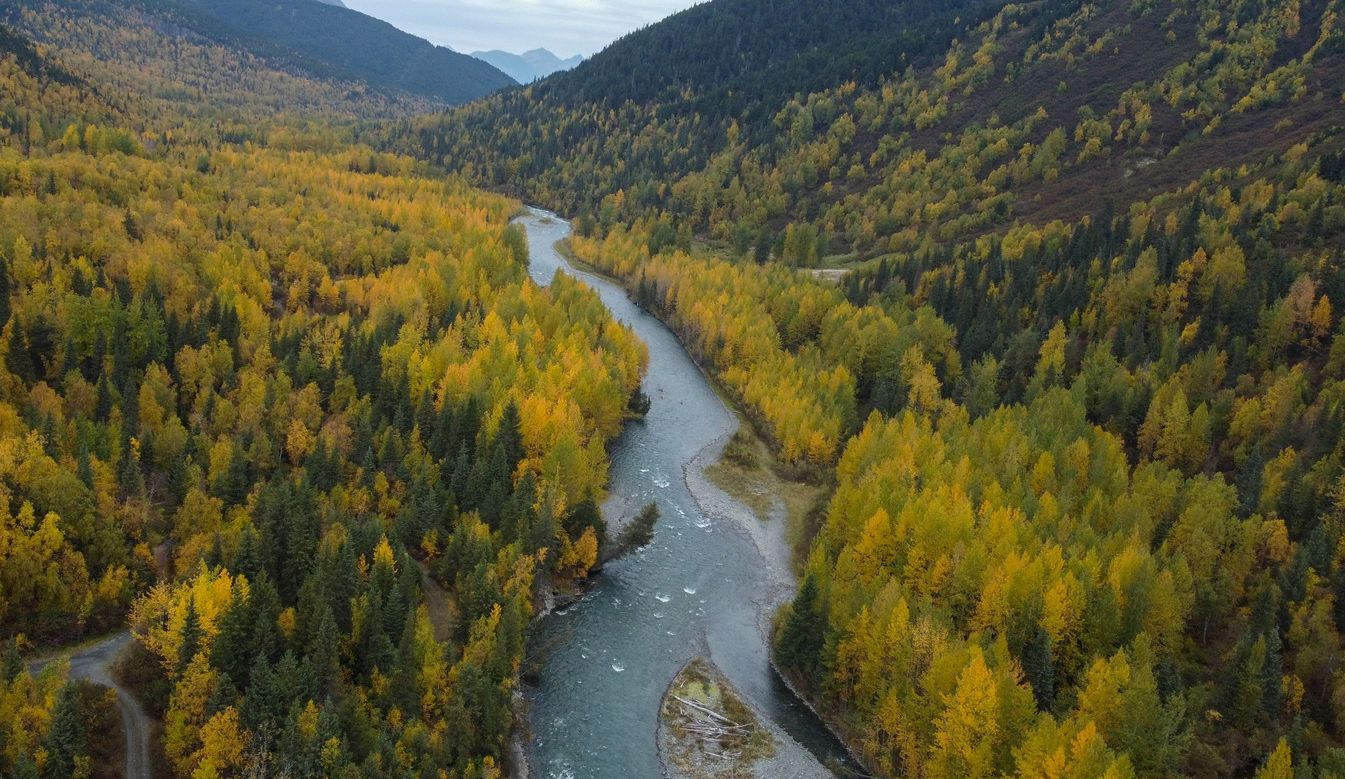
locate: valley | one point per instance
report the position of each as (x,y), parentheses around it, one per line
(912,389)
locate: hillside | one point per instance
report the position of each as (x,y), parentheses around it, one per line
(302,39)
(41,98)
(529,66)
(800,108)
(340,43)
(1077,375)
(657,103)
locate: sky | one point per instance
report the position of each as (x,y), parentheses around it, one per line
(566,27)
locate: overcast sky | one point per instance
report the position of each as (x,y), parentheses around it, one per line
(566,27)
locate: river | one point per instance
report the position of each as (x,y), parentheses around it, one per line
(702,587)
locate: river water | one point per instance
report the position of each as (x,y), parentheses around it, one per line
(700,588)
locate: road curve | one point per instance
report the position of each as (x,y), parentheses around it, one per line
(93,663)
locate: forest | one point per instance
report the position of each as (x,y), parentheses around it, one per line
(298,416)
(1077,388)
(1046,297)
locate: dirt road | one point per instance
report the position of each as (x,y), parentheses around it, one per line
(94,664)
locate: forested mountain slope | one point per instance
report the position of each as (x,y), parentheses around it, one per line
(1080,386)
(337,42)
(41,99)
(654,105)
(1035,111)
(261,389)
(303,39)
(170,80)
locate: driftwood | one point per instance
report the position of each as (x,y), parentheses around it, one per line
(731,756)
(704,710)
(700,727)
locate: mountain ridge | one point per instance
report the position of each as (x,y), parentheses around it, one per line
(529,66)
(383,56)
(325,41)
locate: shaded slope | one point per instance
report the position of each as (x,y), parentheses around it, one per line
(337,42)
(302,38)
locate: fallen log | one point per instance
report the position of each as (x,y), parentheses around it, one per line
(704,709)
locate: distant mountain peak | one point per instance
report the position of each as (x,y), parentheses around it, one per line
(336,3)
(529,66)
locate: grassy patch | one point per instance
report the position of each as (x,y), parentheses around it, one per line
(751,474)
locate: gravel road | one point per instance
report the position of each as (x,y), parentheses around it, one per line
(93,663)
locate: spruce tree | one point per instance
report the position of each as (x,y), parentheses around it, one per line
(6,287)
(1039,669)
(799,646)
(20,364)
(324,655)
(191,639)
(11,661)
(83,466)
(232,648)
(65,737)
(24,768)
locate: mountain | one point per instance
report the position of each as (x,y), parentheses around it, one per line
(676,86)
(825,102)
(336,3)
(307,37)
(346,44)
(529,66)
(547,63)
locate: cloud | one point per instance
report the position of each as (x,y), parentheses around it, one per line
(564,26)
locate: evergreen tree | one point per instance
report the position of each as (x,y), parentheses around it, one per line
(11,660)
(233,485)
(6,287)
(83,467)
(65,737)
(509,437)
(265,605)
(105,402)
(25,768)
(231,651)
(1249,479)
(191,639)
(799,645)
(324,656)
(1039,669)
(20,364)
(586,514)
(262,705)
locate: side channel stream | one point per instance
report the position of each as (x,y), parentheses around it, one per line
(706,585)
